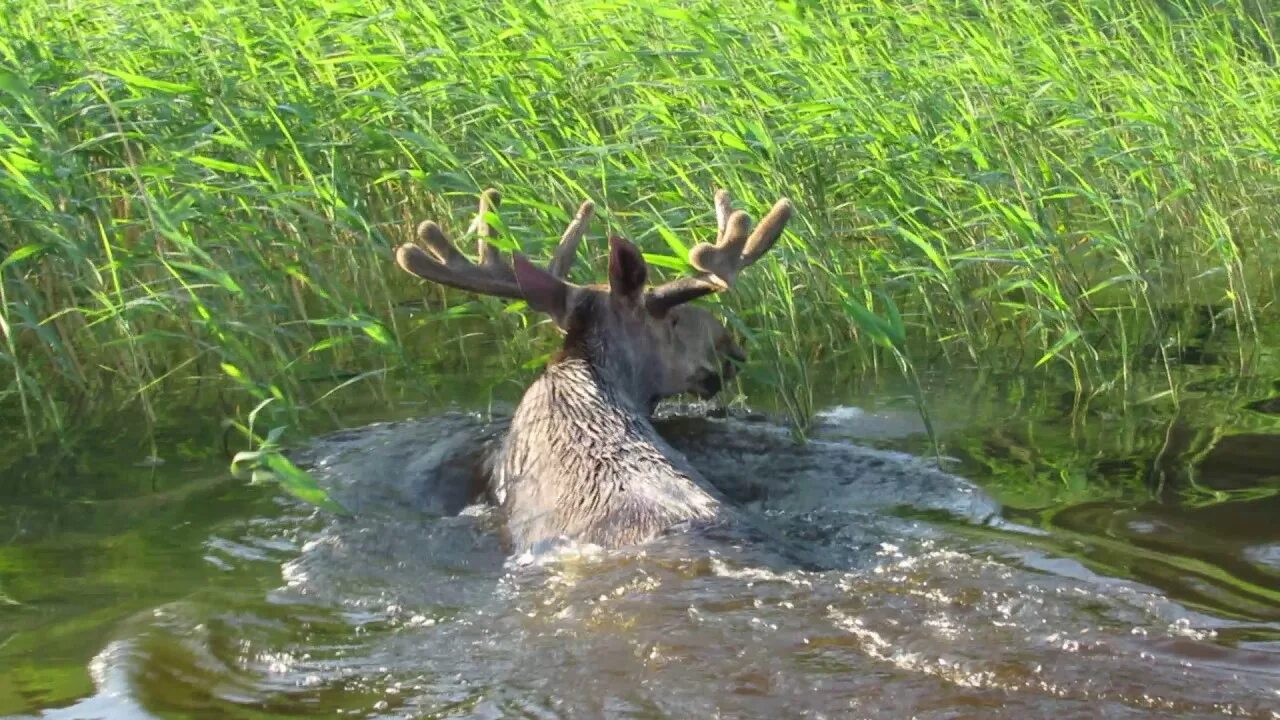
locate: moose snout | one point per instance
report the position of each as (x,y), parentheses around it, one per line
(707,384)
(734,358)
(707,381)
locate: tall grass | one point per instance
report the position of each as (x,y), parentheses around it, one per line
(198,199)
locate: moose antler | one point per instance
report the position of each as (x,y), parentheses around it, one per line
(441,262)
(736,247)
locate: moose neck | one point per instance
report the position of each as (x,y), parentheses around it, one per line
(582,460)
(621,366)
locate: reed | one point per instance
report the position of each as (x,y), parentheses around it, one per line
(199,200)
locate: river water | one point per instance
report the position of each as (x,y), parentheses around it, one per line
(1123,567)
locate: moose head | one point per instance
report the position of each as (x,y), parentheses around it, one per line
(647,339)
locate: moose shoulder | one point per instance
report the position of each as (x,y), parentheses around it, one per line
(581,459)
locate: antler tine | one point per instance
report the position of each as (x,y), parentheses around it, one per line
(736,247)
(561,261)
(724,207)
(767,233)
(430,235)
(720,261)
(441,262)
(490,256)
(567,250)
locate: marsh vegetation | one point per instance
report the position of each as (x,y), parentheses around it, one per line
(1050,225)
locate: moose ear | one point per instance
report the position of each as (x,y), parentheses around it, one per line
(543,291)
(627,270)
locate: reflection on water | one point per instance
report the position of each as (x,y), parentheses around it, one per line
(1137,595)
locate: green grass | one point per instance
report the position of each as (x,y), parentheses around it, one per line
(198,199)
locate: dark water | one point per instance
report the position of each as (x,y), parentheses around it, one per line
(1106,560)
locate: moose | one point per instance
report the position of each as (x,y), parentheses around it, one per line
(581,459)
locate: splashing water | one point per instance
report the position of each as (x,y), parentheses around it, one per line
(931,605)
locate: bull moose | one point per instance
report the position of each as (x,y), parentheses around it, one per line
(581,459)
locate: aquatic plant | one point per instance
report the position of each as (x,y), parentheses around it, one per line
(198,200)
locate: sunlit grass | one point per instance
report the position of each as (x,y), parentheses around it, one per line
(198,199)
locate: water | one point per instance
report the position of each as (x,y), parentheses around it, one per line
(1123,565)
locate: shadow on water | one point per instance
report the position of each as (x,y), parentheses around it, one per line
(1112,560)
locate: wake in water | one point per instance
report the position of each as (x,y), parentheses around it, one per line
(929,605)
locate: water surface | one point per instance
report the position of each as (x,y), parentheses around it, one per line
(1118,560)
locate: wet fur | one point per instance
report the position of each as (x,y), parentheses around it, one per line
(581,459)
